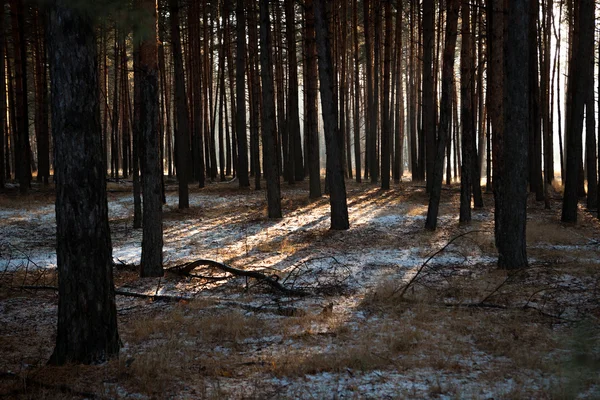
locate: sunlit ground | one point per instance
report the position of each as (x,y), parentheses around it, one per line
(462,328)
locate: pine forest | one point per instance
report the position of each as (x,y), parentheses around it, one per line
(299,199)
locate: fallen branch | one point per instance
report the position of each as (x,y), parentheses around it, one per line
(272,281)
(154,297)
(422,267)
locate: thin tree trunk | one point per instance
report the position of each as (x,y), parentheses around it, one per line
(242,141)
(445,112)
(314,164)
(466,114)
(428,95)
(182,133)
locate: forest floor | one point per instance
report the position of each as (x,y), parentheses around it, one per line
(392,311)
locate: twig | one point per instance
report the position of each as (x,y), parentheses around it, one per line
(415,276)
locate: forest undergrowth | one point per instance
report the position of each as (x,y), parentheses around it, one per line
(388,309)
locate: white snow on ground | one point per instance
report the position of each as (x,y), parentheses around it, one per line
(27,241)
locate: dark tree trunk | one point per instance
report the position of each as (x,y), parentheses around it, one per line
(535,134)
(22,148)
(3,133)
(242,140)
(41,101)
(371,129)
(269,133)
(511,183)
(466,114)
(590,143)
(337,185)
(428,95)
(137,187)
(579,82)
(293,122)
(152,240)
(357,157)
(445,113)
(374,120)
(87,315)
(386,132)
(182,132)
(314,163)
(255,88)
(399,130)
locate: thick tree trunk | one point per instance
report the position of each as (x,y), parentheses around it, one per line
(268,119)
(445,113)
(87,315)
(511,182)
(335,174)
(152,239)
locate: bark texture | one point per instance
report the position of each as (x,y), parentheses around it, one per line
(87,316)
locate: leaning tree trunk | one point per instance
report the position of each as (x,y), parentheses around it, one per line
(268,117)
(87,314)
(335,170)
(512,178)
(152,238)
(445,113)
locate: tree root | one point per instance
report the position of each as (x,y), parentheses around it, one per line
(273,280)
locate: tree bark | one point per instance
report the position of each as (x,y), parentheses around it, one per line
(152,239)
(242,140)
(314,162)
(428,95)
(337,185)
(182,133)
(268,119)
(466,114)
(579,81)
(87,315)
(445,113)
(512,177)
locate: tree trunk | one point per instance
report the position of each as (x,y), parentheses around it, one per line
(4,156)
(386,132)
(428,95)
(87,314)
(268,118)
(357,157)
(337,185)
(314,163)
(511,184)
(295,161)
(22,148)
(152,239)
(579,82)
(466,114)
(445,113)
(242,140)
(182,132)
